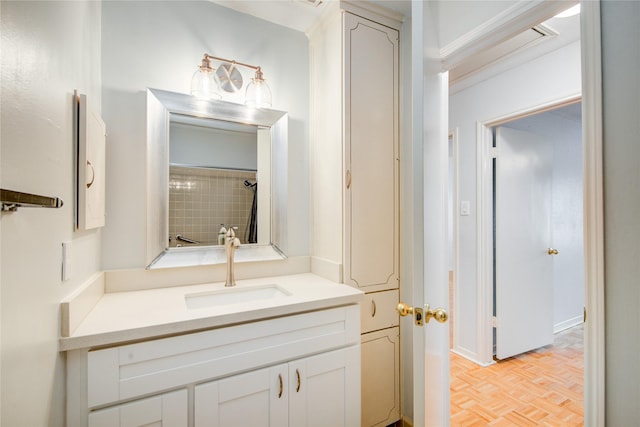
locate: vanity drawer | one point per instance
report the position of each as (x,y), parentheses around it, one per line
(128,371)
(378,310)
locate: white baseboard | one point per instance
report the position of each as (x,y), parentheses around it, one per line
(406,422)
(570,323)
(470,356)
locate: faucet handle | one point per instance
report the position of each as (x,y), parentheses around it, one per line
(231,232)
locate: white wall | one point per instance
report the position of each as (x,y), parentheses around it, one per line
(565,132)
(542,80)
(159,45)
(48,50)
(455,19)
(621,105)
(204,146)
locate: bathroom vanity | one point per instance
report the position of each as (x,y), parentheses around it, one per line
(273,351)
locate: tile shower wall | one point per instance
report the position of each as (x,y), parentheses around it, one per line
(201,199)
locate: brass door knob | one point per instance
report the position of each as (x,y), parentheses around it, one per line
(439,314)
(552,251)
(404,309)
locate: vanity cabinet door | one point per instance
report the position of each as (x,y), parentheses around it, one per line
(371,141)
(166,410)
(258,398)
(325,389)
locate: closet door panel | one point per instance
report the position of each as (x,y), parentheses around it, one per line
(371,155)
(381,377)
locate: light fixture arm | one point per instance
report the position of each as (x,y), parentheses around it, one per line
(206,64)
(204,82)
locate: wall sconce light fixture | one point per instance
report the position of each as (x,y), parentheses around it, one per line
(208,81)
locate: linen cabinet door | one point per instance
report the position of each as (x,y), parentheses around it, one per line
(167,410)
(371,255)
(325,389)
(258,399)
(381,377)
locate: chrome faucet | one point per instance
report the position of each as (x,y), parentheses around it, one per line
(231,242)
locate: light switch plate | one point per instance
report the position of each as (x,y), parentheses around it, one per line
(465,208)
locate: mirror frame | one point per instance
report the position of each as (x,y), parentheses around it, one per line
(160,105)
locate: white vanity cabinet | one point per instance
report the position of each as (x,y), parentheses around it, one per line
(313,391)
(298,370)
(169,409)
(257,398)
(355,183)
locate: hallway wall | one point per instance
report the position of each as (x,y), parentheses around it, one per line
(553,76)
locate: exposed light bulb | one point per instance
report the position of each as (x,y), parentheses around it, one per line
(204,84)
(258,93)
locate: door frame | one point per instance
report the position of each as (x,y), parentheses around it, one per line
(593,207)
(484,207)
(455,207)
(594,396)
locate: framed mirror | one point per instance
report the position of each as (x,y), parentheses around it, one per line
(212,165)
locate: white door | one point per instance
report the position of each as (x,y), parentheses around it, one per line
(427,239)
(524,269)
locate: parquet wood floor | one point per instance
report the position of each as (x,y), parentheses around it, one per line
(543,387)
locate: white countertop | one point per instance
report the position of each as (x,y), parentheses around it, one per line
(136,315)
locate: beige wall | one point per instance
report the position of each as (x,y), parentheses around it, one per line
(49,49)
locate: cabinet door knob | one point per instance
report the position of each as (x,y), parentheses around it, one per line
(281,385)
(373,308)
(348,179)
(298,378)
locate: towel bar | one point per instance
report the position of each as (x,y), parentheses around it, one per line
(12,200)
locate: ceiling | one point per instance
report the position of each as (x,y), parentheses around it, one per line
(300,15)
(543,38)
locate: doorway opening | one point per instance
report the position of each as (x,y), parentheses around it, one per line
(471,102)
(544,379)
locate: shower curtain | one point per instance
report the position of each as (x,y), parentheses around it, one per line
(252,228)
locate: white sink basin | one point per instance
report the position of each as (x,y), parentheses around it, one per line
(234,295)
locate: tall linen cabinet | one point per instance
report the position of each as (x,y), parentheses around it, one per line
(354,169)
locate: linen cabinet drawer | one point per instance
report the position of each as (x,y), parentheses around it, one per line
(378,310)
